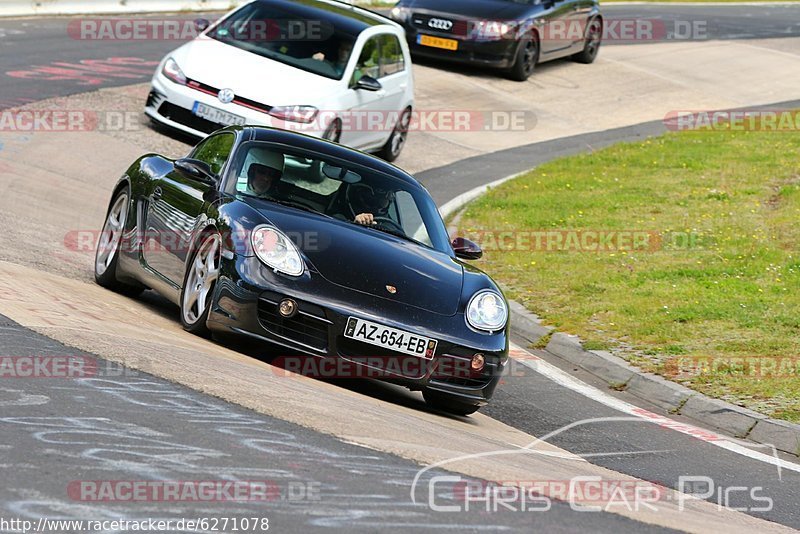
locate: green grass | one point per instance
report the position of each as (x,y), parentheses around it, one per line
(722,283)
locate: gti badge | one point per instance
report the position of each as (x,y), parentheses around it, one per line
(391,289)
(226,96)
(441,24)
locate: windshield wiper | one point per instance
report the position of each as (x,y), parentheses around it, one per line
(297,206)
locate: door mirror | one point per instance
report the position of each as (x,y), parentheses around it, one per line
(201,25)
(197,170)
(368,83)
(466,249)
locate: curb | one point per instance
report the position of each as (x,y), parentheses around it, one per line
(619,374)
(675,398)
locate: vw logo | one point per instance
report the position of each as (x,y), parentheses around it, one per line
(226,96)
(440,24)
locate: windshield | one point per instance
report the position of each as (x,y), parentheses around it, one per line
(339,190)
(278,33)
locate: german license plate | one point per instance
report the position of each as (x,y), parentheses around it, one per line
(390,338)
(437,42)
(217,115)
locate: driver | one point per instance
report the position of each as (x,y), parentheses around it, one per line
(370,202)
(263,177)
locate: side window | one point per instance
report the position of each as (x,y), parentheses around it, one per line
(392,60)
(215,150)
(410,218)
(369,61)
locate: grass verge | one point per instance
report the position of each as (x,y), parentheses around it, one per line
(707,295)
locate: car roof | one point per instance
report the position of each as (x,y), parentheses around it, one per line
(302,141)
(345,17)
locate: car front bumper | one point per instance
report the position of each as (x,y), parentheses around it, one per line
(495,54)
(171,104)
(246,302)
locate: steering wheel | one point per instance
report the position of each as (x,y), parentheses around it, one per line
(386,221)
(347,195)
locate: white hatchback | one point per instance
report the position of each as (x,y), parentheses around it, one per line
(319,67)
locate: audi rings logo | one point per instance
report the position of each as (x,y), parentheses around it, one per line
(440,24)
(226,96)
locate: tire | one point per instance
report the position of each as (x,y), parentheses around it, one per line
(526,60)
(334,131)
(447,403)
(592,42)
(106,257)
(199,283)
(394,146)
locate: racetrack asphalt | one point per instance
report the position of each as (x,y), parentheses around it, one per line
(529,402)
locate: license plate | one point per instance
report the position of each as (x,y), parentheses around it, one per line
(437,42)
(217,115)
(390,338)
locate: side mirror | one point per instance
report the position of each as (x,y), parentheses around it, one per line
(201,25)
(368,83)
(466,249)
(197,170)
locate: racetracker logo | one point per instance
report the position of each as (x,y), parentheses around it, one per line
(191,491)
(564,240)
(768,120)
(755,367)
(63,121)
(619,31)
(47,367)
(376,367)
(181,29)
(176,241)
(420,120)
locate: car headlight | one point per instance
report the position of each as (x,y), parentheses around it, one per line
(304,114)
(277,251)
(172,71)
(487,311)
(400,13)
(494,30)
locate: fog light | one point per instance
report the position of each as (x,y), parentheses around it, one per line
(478,361)
(287,308)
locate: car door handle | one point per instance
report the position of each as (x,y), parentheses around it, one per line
(157,193)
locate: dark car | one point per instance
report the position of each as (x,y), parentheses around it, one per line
(514,35)
(315,248)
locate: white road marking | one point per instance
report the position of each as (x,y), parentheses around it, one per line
(568,381)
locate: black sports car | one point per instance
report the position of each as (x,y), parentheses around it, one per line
(313,247)
(513,35)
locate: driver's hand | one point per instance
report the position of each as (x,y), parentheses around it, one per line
(319,56)
(366,219)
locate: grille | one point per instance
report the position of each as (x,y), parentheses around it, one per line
(455,371)
(154,99)
(309,327)
(211,90)
(392,362)
(421,21)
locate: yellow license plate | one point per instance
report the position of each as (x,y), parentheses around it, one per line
(438,42)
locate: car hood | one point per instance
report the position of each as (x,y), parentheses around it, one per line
(478,9)
(367,260)
(251,76)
